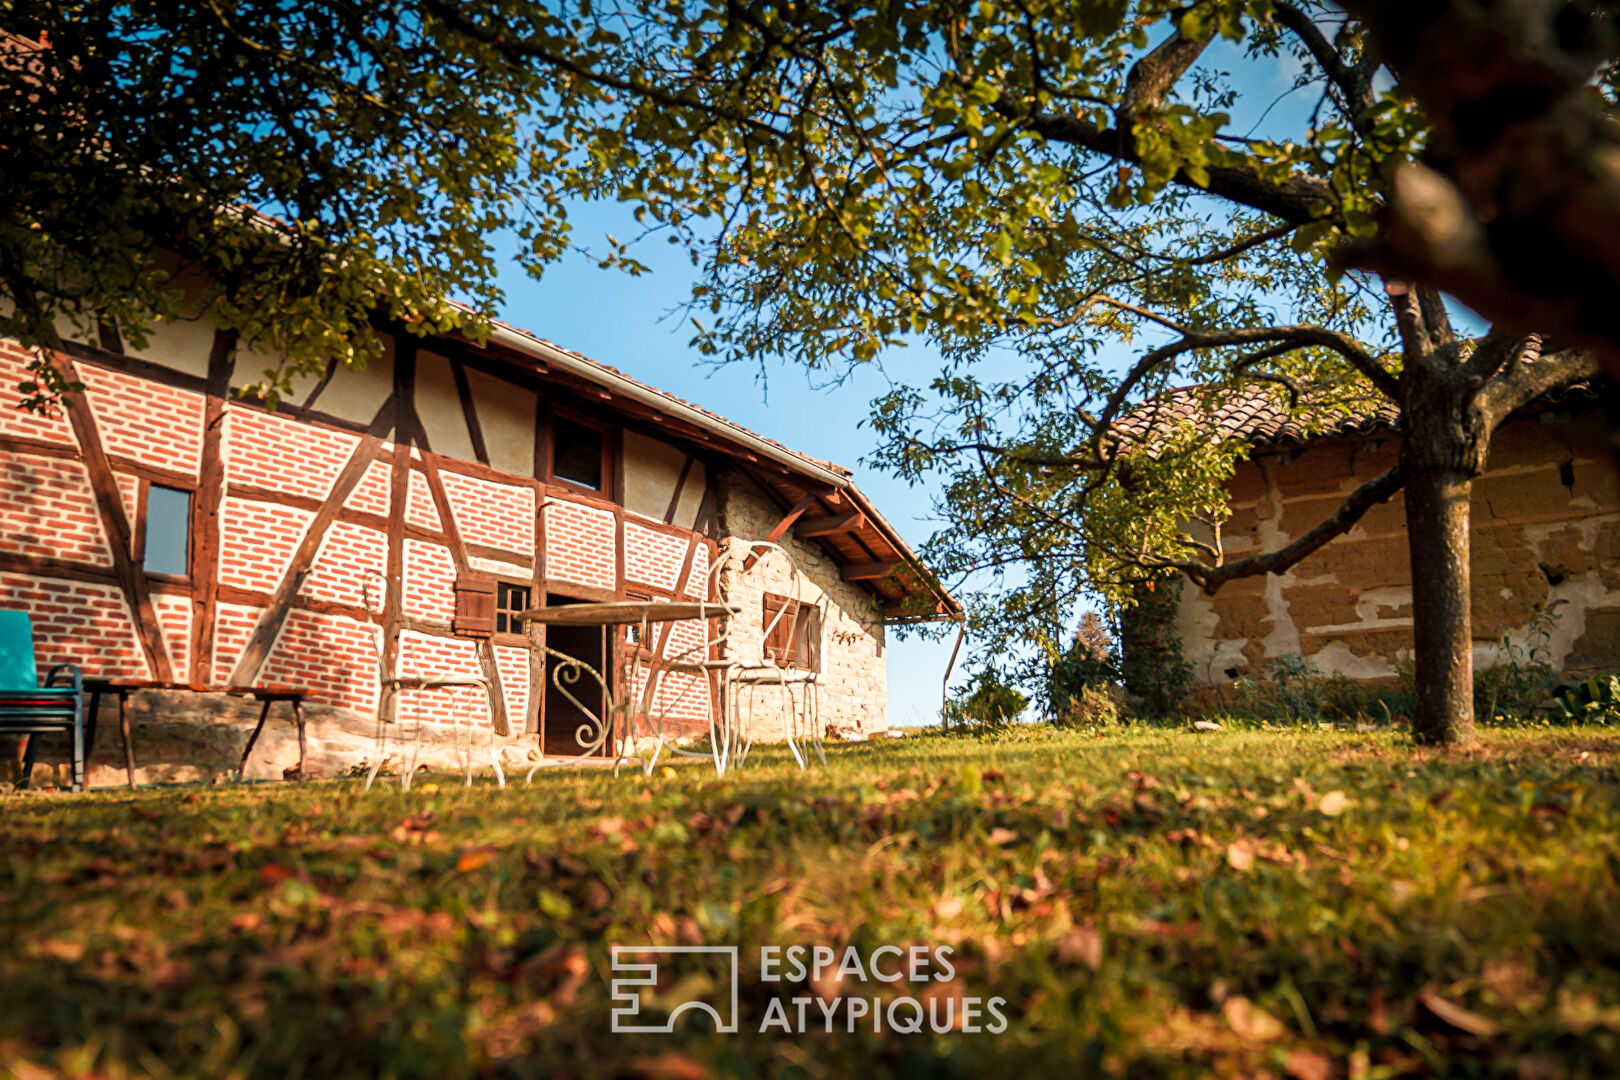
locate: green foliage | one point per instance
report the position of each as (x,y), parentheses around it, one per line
(1294,690)
(1522,681)
(1088,706)
(1151,664)
(1174,904)
(989,702)
(1595,701)
(286,171)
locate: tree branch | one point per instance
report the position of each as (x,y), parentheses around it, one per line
(1516,208)
(1352,82)
(1210,578)
(1530,377)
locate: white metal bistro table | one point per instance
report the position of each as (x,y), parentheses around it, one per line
(623,710)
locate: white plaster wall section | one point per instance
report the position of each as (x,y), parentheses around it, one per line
(355,394)
(438,404)
(183,345)
(1337,659)
(1576,594)
(506,417)
(1196,622)
(652,469)
(1371,605)
(1284,636)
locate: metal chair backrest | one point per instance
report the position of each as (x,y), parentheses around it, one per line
(17,668)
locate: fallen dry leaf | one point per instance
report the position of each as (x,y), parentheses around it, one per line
(669,1065)
(1333,803)
(1308,1065)
(473,858)
(1239,855)
(1250,1022)
(1084,944)
(1000,836)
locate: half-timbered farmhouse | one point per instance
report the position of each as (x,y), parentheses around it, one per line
(164,528)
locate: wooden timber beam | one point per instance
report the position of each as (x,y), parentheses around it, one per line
(115,523)
(868,571)
(787,521)
(482,647)
(829,525)
(264,635)
(205,509)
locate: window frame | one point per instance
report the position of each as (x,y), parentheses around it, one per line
(143,524)
(517,636)
(643,649)
(604,458)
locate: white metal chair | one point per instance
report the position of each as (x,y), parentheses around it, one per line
(749,676)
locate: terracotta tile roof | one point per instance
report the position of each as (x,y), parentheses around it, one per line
(1261,416)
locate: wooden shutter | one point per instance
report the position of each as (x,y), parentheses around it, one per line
(779,639)
(475,606)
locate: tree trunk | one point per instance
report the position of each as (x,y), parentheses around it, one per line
(1438,534)
(1443,449)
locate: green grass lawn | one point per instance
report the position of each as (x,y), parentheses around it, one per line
(1304,904)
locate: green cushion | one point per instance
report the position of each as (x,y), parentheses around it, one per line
(17,668)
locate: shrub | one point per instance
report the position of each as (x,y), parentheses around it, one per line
(1093,706)
(1523,683)
(990,703)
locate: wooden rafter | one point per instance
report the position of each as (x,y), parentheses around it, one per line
(829,524)
(399,489)
(110,505)
(868,571)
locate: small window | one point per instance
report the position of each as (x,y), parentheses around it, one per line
(510,602)
(632,631)
(792,632)
(576,453)
(165,544)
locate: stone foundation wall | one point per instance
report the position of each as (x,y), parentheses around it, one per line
(184,737)
(1546,560)
(852,681)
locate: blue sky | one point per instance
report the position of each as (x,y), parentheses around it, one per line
(627,322)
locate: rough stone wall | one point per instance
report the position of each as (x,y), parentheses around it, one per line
(1546,553)
(853,678)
